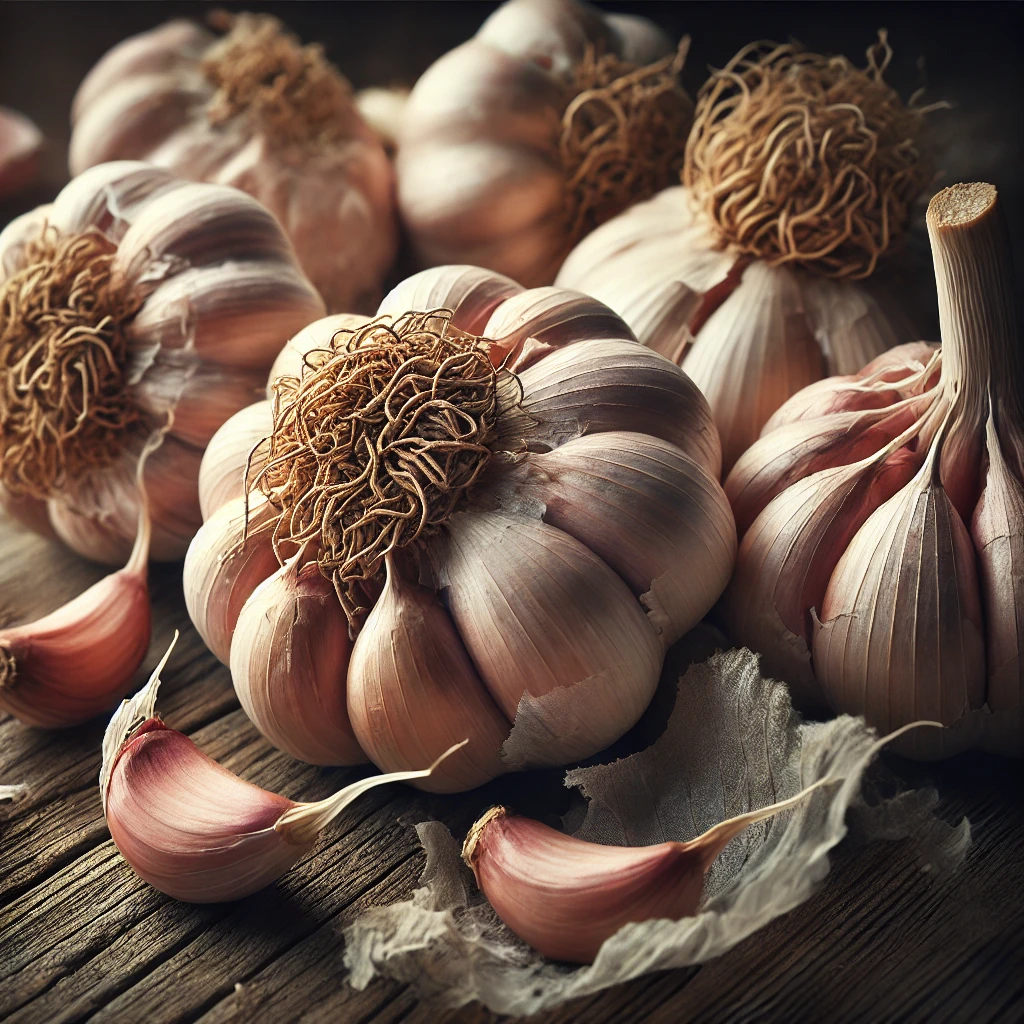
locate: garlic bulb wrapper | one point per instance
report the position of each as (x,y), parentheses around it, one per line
(190,827)
(758,273)
(551,119)
(256,110)
(513,507)
(136,299)
(20,142)
(881,567)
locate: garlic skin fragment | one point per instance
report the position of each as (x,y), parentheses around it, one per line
(565,896)
(583,634)
(74,663)
(289,657)
(412,691)
(190,827)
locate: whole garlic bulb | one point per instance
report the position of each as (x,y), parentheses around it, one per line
(757,273)
(517,509)
(256,110)
(552,119)
(134,300)
(882,567)
(20,142)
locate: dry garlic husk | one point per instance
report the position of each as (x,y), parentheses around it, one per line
(509,504)
(255,109)
(553,118)
(134,300)
(190,827)
(20,142)
(758,273)
(881,570)
(79,660)
(565,896)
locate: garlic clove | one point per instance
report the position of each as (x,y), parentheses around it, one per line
(413,691)
(161,49)
(317,335)
(289,658)
(787,559)
(68,666)
(234,314)
(223,469)
(998,532)
(595,386)
(900,635)
(191,828)
(565,896)
(554,633)
(656,517)
(470,292)
(554,317)
(752,353)
(224,565)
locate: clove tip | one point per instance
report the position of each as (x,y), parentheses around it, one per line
(476,831)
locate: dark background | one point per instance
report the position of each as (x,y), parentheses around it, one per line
(970,54)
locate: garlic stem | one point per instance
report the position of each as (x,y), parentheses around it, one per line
(974,276)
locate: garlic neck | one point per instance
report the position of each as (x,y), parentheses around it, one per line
(981,353)
(623,135)
(290,93)
(64,409)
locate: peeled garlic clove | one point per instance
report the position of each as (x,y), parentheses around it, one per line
(555,634)
(787,559)
(655,516)
(565,896)
(803,447)
(68,666)
(191,828)
(413,691)
(998,531)
(223,469)
(900,635)
(471,293)
(594,386)
(289,656)
(224,566)
(316,335)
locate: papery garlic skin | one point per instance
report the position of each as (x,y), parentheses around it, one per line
(884,517)
(214,291)
(513,527)
(155,97)
(486,172)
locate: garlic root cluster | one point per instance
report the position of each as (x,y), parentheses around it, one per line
(881,570)
(510,506)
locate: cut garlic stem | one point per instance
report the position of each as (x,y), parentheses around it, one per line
(191,828)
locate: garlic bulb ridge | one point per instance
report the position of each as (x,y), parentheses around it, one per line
(481,488)
(880,513)
(757,274)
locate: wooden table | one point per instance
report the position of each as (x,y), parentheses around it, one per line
(81,937)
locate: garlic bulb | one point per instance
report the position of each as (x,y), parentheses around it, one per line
(552,119)
(757,275)
(881,571)
(20,142)
(256,110)
(565,896)
(511,505)
(193,829)
(134,300)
